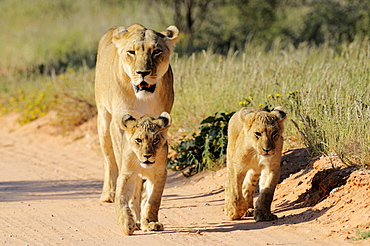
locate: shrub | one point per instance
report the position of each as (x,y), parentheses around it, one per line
(206,150)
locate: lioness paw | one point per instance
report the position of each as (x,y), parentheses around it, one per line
(107,197)
(153,226)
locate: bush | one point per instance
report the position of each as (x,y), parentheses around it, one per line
(206,150)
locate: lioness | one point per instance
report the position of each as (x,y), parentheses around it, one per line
(133,76)
(254,150)
(142,172)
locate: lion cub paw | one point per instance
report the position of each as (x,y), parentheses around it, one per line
(263,216)
(234,212)
(152,226)
(249,213)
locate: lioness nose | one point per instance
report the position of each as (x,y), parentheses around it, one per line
(147,156)
(143,73)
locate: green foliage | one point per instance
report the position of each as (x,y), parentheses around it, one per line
(49,53)
(44,36)
(361,234)
(231,24)
(336,21)
(206,150)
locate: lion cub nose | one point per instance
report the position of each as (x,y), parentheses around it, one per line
(143,73)
(147,156)
(266,150)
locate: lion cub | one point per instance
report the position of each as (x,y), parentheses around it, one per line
(142,173)
(254,150)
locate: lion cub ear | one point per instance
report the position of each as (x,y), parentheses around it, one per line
(279,112)
(164,120)
(172,35)
(247,113)
(128,122)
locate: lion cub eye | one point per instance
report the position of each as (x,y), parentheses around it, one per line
(274,133)
(157,52)
(138,141)
(131,52)
(257,134)
(155,141)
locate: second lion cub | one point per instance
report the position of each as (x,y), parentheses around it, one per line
(254,149)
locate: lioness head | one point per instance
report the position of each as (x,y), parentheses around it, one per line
(263,128)
(147,136)
(145,55)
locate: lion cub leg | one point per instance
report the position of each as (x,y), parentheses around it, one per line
(135,201)
(235,204)
(125,189)
(152,201)
(268,181)
(249,186)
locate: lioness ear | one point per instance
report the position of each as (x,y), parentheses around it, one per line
(118,32)
(246,113)
(164,120)
(117,35)
(128,122)
(279,112)
(134,27)
(172,35)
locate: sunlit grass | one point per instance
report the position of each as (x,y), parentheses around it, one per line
(333,110)
(60,33)
(47,57)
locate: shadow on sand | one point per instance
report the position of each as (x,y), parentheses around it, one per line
(52,189)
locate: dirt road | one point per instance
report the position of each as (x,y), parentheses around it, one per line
(49,195)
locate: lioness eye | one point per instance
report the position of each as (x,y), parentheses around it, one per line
(258,134)
(131,52)
(157,52)
(138,140)
(156,141)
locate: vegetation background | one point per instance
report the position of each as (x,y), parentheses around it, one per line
(310,56)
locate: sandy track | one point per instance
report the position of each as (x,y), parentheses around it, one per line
(49,195)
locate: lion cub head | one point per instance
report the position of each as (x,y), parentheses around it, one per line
(147,137)
(264,129)
(145,55)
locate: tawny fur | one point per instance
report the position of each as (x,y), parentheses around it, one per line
(142,172)
(130,58)
(254,149)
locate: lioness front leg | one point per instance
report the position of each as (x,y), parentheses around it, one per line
(235,204)
(125,190)
(151,203)
(110,165)
(268,182)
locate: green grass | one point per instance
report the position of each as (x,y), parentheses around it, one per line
(331,106)
(47,63)
(61,33)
